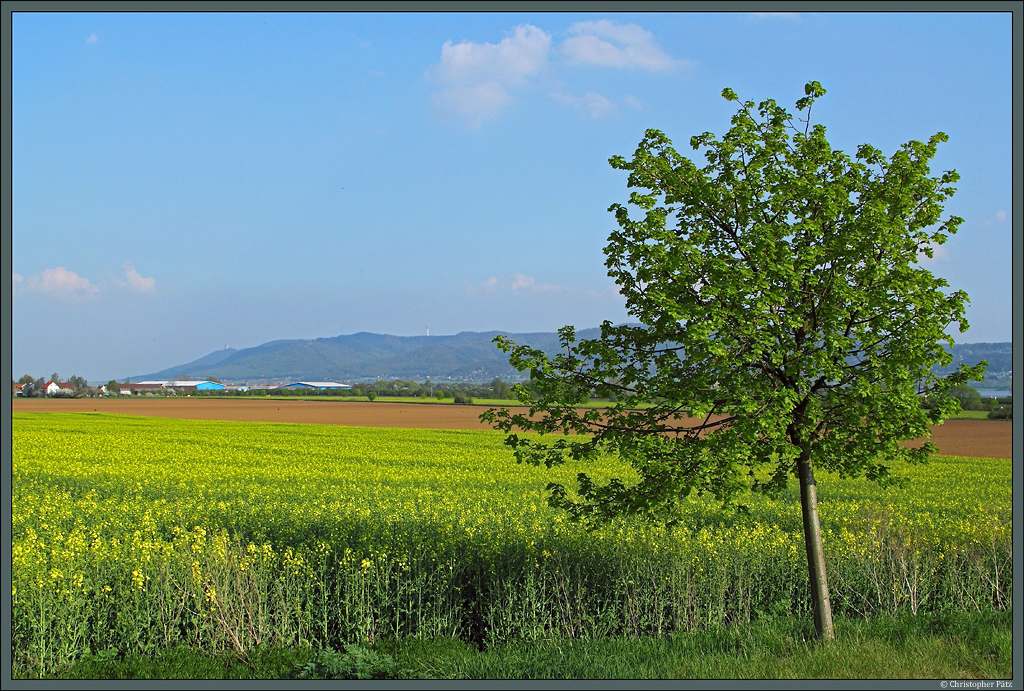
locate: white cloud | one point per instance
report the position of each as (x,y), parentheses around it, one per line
(514,58)
(477,81)
(939,253)
(487,286)
(998,217)
(90,40)
(473,102)
(520,281)
(477,77)
(15,278)
(632,102)
(137,282)
(62,283)
(527,283)
(516,283)
(610,44)
(594,103)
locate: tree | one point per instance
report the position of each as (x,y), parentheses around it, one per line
(500,388)
(784,326)
(27,384)
(967,396)
(80,385)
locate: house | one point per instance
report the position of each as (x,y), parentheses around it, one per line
(59,389)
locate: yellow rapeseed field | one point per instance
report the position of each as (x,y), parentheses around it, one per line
(132,533)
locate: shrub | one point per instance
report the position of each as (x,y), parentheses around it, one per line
(356,662)
(1003,412)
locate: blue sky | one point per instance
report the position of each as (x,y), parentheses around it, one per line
(182,182)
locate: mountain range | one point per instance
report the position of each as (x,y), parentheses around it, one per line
(467,357)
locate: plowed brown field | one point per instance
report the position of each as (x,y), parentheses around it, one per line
(980,438)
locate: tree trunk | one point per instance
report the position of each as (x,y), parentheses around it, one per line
(812,545)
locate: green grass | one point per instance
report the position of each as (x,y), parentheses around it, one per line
(963,646)
(947,646)
(182,662)
(971,415)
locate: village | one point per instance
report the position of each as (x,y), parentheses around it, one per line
(76,387)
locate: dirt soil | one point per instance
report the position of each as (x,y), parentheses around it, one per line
(979,438)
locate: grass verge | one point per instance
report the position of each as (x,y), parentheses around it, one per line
(975,645)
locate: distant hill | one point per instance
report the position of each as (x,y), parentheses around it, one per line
(999,356)
(468,356)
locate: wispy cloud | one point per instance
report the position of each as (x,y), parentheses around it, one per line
(939,253)
(478,78)
(60,282)
(516,283)
(997,217)
(90,39)
(521,281)
(137,282)
(521,286)
(63,283)
(610,44)
(487,286)
(594,103)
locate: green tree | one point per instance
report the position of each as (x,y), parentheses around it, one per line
(27,384)
(784,326)
(967,396)
(500,389)
(80,385)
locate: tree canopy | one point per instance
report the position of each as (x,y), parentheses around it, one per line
(785,324)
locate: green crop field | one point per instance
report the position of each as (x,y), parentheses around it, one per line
(135,535)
